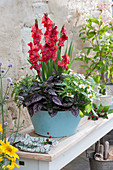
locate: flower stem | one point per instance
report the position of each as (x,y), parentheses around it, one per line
(17,125)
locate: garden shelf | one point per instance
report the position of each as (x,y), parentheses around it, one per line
(68,148)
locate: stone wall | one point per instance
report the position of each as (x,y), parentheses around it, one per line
(16,19)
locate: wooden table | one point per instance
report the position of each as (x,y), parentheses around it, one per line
(68,148)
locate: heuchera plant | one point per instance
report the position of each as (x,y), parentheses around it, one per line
(50,89)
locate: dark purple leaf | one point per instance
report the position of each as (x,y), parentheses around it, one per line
(23,87)
(67,104)
(52,92)
(75,111)
(35,88)
(56,100)
(76,97)
(35,83)
(52,112)
(37,108)
(61,76)
(36,99)
(30,110)
(50,79)
(25,94)
(28,103)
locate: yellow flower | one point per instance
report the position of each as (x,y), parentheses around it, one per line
(1,158)
(8,149)
(1,130)
(12,166)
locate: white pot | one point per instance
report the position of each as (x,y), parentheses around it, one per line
(109,90)
(105,100)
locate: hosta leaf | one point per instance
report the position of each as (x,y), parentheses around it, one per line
(56,100)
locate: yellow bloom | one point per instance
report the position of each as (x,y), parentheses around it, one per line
(8,149)
(1,158)
(1,130)
(12,166)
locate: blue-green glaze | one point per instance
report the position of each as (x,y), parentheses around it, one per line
(64,123)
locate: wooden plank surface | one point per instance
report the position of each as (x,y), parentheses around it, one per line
(85,129)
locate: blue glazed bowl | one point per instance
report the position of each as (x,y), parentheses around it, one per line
(64,123)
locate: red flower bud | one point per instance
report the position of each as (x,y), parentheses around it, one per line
(96,117)
(47,139)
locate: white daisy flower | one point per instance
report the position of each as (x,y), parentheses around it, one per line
(73,73)
(90,96)
(82,86)
(70,95)
(22,77)
(81,75)
(89,88)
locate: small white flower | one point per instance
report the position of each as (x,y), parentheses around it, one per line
(72,73)
(90,96)
(22,77)
(70,95)
(82,86)
(37,79)
(75,83)
(89,88)
(70,70)
(76,90)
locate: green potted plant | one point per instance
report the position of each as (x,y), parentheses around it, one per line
(98,60)
(56,96)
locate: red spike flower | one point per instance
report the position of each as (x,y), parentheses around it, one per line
(64,62)
(63,38)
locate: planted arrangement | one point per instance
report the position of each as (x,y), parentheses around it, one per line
(55,87)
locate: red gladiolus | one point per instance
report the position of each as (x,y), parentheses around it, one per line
(63,38)
(34,57)
(51,36)
(47,22)
(64,62)
(48,52)
(36,33)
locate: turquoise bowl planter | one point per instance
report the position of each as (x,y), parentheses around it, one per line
(64,123)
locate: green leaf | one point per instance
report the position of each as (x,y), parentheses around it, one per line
(91,34)
(81,114)
(95,20)
(88,108)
